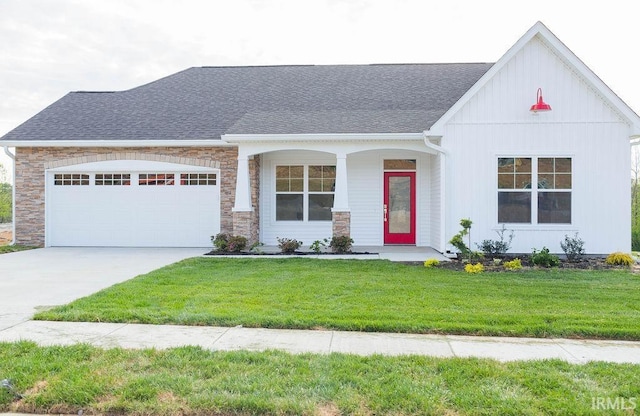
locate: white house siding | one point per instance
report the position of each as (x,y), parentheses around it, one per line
(435,210)
(365,183)
(497,122)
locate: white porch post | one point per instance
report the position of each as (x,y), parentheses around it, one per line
(243,186)
(340,213)
(245,221)
(341,194)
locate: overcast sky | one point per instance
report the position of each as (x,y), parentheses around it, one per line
(51,47)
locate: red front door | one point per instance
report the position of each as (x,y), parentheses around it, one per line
(399,208)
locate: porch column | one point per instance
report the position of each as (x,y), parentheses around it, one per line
(242,209)
(341,214)
(243,186)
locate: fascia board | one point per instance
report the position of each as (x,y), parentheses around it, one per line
(239,138)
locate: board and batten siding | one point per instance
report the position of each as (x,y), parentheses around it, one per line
(365,183)
(435,210)
(496,122)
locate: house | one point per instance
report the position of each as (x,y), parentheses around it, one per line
(388,154)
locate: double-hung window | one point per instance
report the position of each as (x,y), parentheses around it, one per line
(534,190)
(304,192)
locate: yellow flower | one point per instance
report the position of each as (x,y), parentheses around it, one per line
(474,268)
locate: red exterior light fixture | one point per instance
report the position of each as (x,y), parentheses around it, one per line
(540,105)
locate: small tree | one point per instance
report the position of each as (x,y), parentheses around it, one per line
(458,240)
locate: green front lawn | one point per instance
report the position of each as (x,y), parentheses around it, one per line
(192,381)
(363,295)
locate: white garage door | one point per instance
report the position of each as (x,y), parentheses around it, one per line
(149,204)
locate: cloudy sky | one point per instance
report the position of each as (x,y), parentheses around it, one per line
(51,47)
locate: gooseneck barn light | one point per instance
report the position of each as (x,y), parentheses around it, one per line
(540,105)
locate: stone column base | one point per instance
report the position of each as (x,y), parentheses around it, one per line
(341,223)
(244,225)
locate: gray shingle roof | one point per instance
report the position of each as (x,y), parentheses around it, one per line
(204,103)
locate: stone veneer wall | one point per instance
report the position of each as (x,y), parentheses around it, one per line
(30,165)
(341,223)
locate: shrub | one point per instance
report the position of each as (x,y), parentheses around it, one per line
(236,243)
(229,243)
(255,247)
(6,200)
(288,245)
(220,241)
(497,247)
(543,258)
(514,264)
(573,247)
(431,263)
(474,268)
(317,246)
(619,259)
(341,244)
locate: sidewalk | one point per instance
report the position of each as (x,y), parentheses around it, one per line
(109,335)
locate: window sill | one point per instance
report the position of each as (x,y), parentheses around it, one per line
(536,227)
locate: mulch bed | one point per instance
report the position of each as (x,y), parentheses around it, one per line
(270,253)
(585,263)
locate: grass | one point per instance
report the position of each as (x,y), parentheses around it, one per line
(370,296)
(193,381)
(13,248)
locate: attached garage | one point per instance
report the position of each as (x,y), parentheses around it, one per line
(127,203)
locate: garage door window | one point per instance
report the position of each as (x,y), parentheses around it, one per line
(113,179)
(71,179)
(197,179)
(156,179)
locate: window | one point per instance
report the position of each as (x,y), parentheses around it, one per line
(197,179)
(514,184)
(71,179)
(400,164)
(305,193)
(113,179)
(322,184)
(156,179)
(554,190)
(549,202)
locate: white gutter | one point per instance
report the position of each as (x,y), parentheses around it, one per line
(13,196)
(11,155)
(443,182)
(115,143)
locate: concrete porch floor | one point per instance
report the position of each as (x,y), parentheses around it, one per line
(392,253)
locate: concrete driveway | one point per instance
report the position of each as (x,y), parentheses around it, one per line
(55,276)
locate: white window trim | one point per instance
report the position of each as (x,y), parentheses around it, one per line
(533,225)
(305,192)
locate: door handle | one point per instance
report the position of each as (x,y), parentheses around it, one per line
(385,210)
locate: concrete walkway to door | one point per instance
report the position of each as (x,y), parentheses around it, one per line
(55,276)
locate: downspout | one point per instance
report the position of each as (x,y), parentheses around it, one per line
(443,153)
(13,195)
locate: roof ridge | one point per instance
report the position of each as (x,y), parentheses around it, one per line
(341,65)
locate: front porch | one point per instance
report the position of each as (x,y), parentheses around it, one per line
(379,190)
